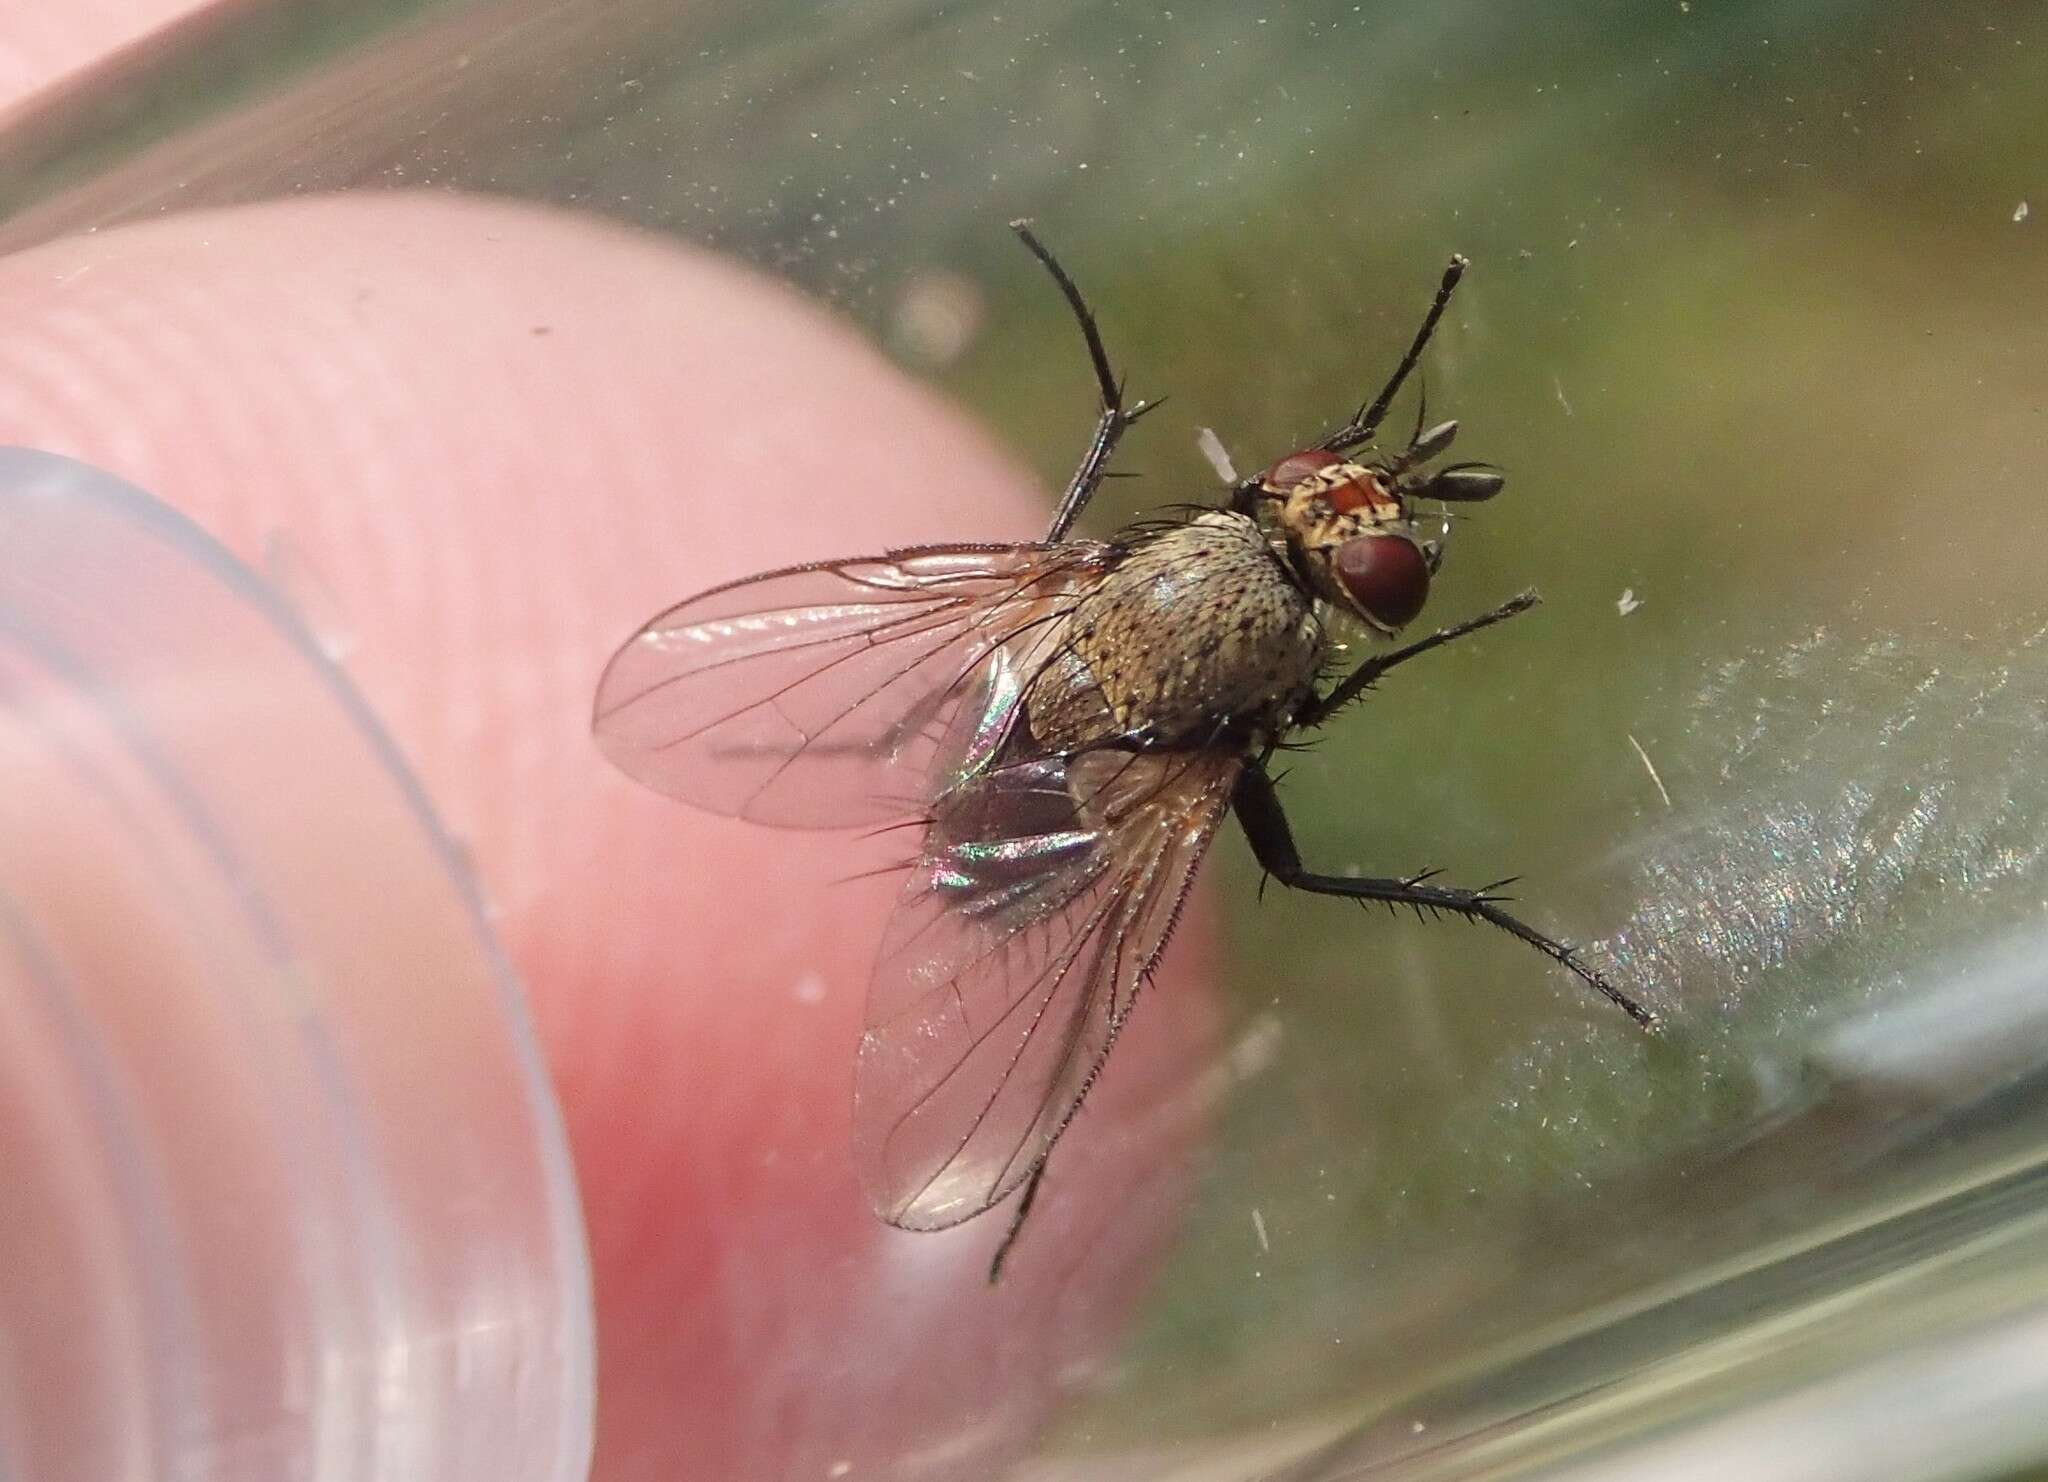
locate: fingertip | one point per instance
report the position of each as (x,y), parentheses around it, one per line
(504,437)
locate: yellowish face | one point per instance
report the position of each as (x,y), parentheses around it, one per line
(1351,535)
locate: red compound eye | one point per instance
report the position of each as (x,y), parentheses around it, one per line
(1386,575)
(1296,467)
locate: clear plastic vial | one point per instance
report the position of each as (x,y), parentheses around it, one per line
(242,976)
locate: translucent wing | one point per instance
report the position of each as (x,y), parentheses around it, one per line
(817,697)
(1043,896)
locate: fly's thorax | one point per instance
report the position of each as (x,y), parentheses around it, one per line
(1199,632)
(1348,531)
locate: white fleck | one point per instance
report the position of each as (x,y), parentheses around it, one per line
(1651,770)
(1557,385)
(1628,602)
(2019,212)
(840,1469)
(1416,1427)
(1218,455)
(810,989)
(1259,1227)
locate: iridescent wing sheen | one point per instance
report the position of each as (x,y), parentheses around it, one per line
(820,696)
(1043,895)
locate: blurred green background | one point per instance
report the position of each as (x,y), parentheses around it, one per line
(1754,330)
(1758,327)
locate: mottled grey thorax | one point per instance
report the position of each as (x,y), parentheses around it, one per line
(1199,628)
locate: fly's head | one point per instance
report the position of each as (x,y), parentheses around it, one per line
(1350,527)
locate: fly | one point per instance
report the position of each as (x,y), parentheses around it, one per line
(1066,722)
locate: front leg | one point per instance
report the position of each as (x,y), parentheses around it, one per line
(1321,707)
(1272,840)
(1114,420)
(1355,434)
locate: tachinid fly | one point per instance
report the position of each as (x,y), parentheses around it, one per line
(1067,722)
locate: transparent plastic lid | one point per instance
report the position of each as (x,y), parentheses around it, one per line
(287,1194)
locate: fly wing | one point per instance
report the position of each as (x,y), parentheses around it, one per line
(1044,894)
(819,696)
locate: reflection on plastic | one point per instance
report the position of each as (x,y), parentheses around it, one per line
(1873,787)
(242,982)
(1836,1266)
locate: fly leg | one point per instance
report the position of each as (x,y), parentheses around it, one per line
(1359,430)
(1272,840)
(1114,420)
(995,1265)
(1321,707)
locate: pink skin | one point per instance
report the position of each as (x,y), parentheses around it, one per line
(501,437)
